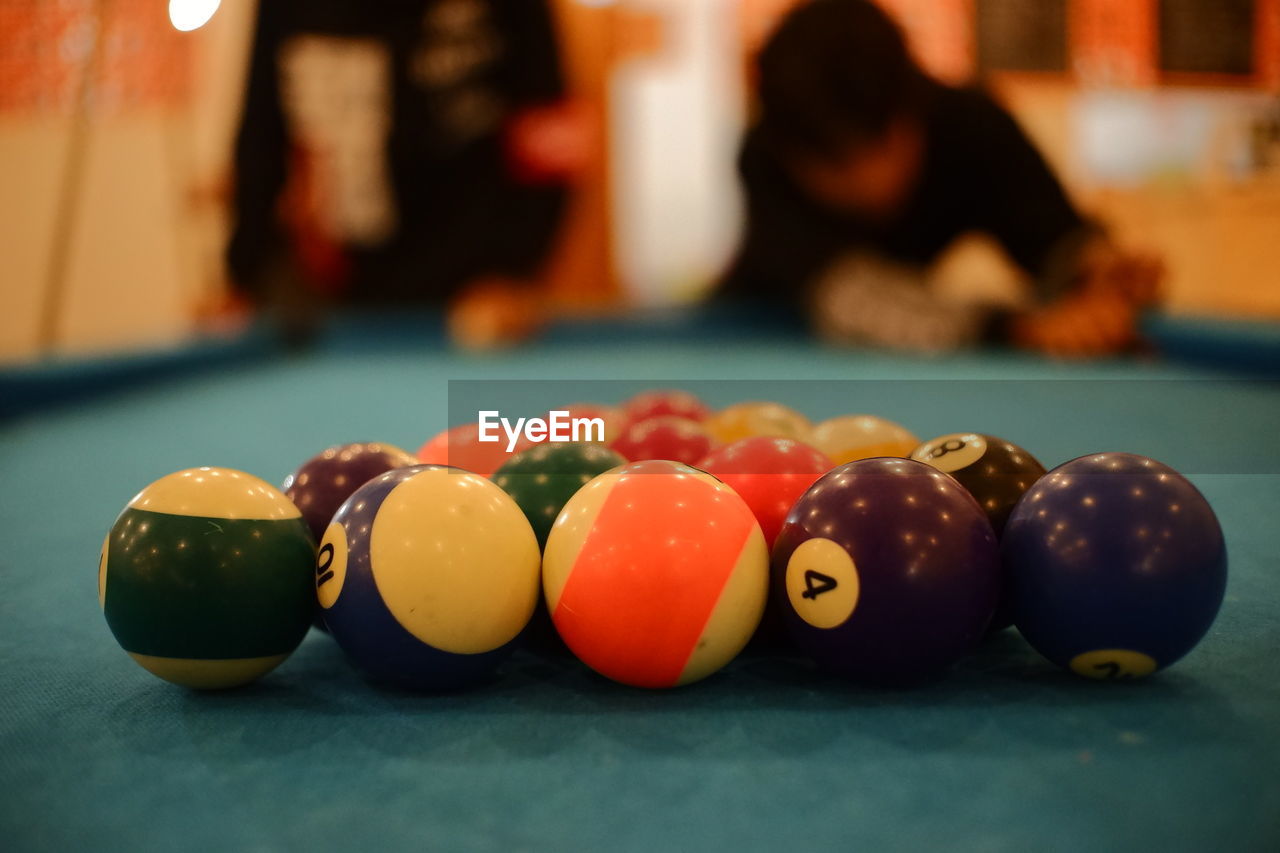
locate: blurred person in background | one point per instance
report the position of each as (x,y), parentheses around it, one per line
(389,153)
(862,170)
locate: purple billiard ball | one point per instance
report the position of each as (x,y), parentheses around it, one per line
(886,570)
(1117,565)
(327,479)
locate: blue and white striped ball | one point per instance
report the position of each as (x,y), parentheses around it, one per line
(427,575)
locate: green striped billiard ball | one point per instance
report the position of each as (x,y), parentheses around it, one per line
(207,578)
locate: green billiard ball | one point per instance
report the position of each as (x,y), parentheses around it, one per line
(207,578)
(543,478)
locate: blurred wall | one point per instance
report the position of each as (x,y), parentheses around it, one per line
(144,245)
(125,277)
(1191,172)
(676,115)
(1185,168)
(1186,164)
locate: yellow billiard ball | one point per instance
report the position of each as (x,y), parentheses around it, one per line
(849,438)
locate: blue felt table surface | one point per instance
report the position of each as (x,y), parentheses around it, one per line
(1006,753)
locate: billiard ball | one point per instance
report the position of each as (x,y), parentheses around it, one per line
(205,578)
(996,472)
(665,437)
(327,479)
(886,570)
(461,447)
(770,474)
(748,420)
(324,481)
(1117,565)
(426,576)
(849,438)
(655,574)
(542,479)
(657,403)
(494,313)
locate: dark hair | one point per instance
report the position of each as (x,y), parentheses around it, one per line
(835,73)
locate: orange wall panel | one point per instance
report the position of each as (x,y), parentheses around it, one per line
(44,45)
(1113,42)
(1267,44)
(940,33)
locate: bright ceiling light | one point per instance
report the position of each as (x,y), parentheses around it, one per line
(187,15)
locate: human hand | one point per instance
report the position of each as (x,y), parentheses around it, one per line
(495,312)
(1134,275)
(1085,324)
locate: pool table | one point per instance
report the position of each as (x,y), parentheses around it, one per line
(1003,753)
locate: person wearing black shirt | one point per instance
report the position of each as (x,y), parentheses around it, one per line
(374,161)
(862,170)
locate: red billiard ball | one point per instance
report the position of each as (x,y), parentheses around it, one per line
(652,404)
(665,437)
(770,474)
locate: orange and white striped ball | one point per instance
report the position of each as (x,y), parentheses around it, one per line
(655,574)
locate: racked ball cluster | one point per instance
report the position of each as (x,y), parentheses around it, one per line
(881,558)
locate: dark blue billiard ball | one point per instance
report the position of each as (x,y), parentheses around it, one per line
(427,575)
(1117,565)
